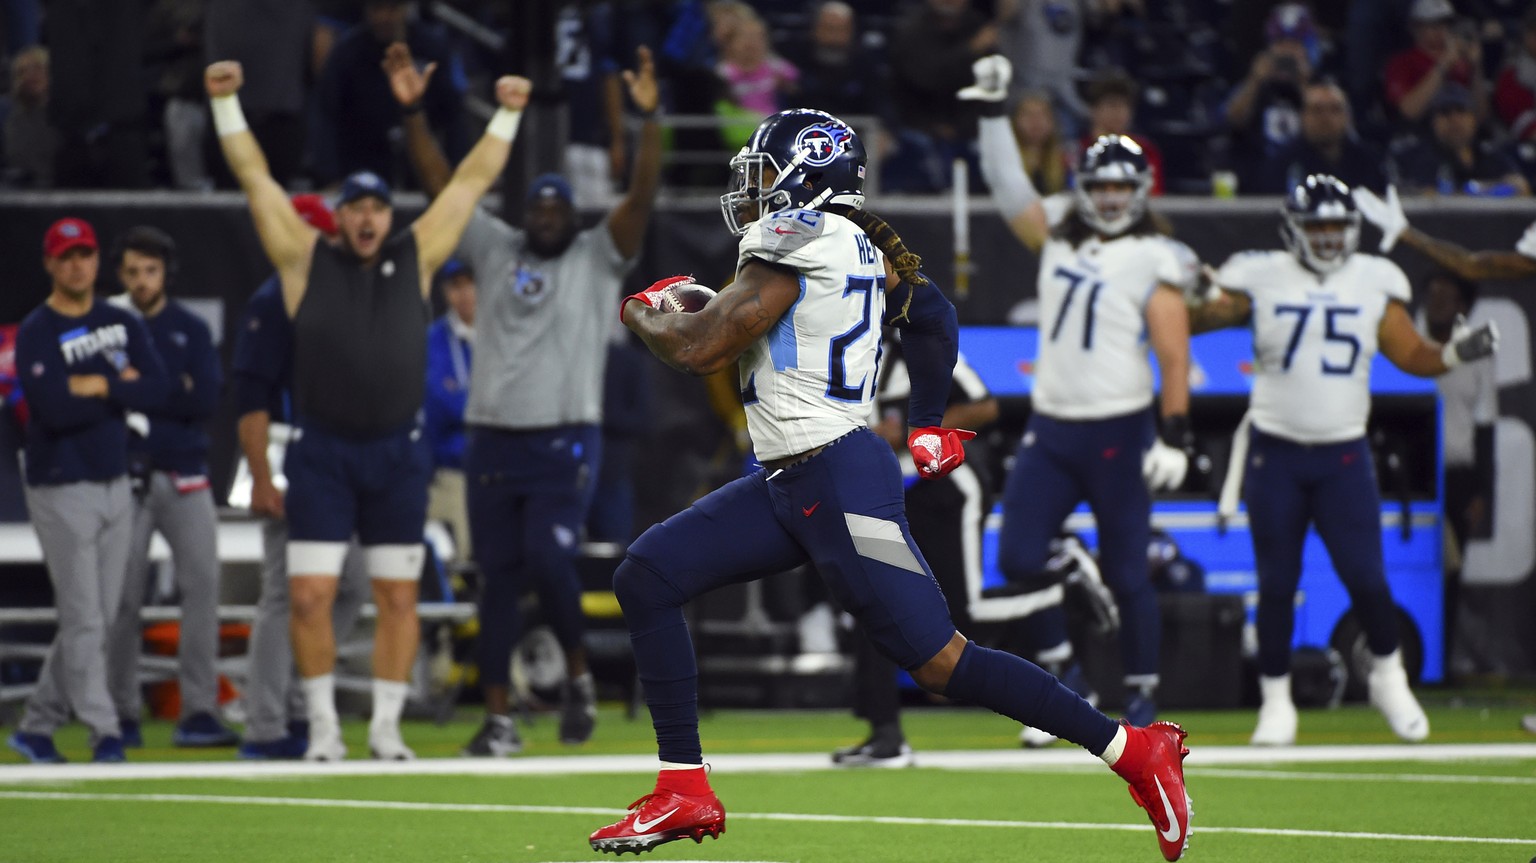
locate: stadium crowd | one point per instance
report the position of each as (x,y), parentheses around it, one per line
(1438,96)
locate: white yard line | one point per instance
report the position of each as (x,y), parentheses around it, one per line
(997,759)
(794,817)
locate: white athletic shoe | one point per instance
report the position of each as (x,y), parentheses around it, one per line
(325,743)
(1388,684)
(1034,738)
(384,744)
(1277,714)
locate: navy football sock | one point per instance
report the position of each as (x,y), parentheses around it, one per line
(1021,690)
(664,660)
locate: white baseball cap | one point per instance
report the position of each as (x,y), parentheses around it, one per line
(1424,11)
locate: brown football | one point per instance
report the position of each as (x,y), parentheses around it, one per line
(686,297)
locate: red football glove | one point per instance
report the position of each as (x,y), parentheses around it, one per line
(937,451)
(652,296)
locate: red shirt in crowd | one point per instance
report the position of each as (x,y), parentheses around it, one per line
(1515,104)
(1408,68)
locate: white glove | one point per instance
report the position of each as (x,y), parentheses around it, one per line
(1387,215)
(1164,466)
(137,423)
(1467,345)
(993,73)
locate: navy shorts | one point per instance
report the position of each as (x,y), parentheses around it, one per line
(375,488)
(843,511)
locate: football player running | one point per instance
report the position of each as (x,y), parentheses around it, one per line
(1319,313)
(1110,286)
(803,320)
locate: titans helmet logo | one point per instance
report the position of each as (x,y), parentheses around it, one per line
(822,144)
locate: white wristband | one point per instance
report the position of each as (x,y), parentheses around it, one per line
(504,124)
(228,119)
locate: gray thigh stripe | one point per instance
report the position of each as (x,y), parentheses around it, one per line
(878,539)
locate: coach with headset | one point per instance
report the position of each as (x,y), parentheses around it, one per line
(168,464)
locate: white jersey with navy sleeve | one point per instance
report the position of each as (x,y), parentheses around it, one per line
(1314,338)
(810,379)
(1093,335)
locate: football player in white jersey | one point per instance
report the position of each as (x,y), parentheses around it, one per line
(1319,313)
(802,319)
(1110,286)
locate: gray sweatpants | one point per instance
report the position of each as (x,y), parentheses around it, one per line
(270,694)
(191,528)
(84,529)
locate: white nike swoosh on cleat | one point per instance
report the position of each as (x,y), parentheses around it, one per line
(642,826)
(1172,833)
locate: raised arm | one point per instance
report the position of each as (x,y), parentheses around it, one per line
(715,336)
(1470,265)
(1001,165)
(409,85)
(626,224)
(439,228)
(287,240)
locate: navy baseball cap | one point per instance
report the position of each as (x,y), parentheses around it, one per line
(363,184)
(551,186)
(451,267)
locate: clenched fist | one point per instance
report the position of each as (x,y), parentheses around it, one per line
(512,92)
(223,78)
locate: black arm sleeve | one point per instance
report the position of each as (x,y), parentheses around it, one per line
(930,342)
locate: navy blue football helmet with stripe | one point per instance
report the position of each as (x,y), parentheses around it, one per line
(1112,160)
(1322,225)
(816,160)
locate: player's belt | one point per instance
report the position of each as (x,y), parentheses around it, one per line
(790,461)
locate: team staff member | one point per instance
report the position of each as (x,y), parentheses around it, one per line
(359,464)
(535,396)
(83,365)
(174,498)
(945,517)
(262,372)
(450,353)
(1319,314)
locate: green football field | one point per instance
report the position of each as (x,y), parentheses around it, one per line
(1347,793)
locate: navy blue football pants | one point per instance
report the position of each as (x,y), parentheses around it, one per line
(1289,485)
(1061,463)
(842,511)
(527,493)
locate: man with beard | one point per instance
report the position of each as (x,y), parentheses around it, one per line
(544,310)
(169,469)
(359,463)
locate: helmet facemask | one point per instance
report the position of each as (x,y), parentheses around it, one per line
(1322,242)
(747,199)
(1111,205)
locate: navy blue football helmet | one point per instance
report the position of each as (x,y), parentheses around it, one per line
(816,160)
(1119,160)
(1321,225)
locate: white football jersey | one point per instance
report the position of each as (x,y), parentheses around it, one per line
(810,379)
(1314,338)
(1093,333)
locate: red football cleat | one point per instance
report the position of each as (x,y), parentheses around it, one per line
(1153,764)
(660,817)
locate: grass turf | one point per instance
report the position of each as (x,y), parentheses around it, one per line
(1047,815)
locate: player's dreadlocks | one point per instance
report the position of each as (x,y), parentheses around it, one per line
(906,262)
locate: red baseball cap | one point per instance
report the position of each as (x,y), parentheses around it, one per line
(312,209)
(66,234)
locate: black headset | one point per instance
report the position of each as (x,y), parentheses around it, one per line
(147,240)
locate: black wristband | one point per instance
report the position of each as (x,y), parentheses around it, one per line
(414,108)
(989,108)
(1176,433)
